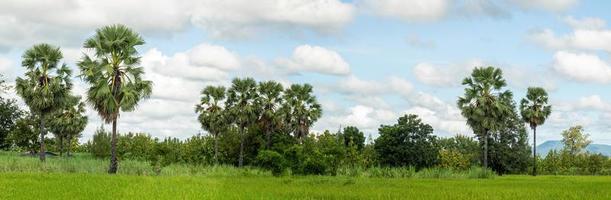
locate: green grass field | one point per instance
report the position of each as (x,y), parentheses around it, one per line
(94,186)
(83,177)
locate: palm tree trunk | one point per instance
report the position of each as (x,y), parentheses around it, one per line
(113,149)
(534,151)
(241,160)
(61,146)
(69,145)
(216,149)
(485,149)
(43,151)
(269,136)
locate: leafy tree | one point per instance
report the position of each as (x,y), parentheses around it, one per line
(509,149)
(46,85)
(25,133)
(241,107)
(301,109)
(212,114)
(9,115)
(69,122)
(353,137)
(114,77)
(574,140)
(484,103)
(407,143)
(268,103)
(535,109)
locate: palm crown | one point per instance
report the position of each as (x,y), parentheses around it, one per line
(47,83)
(302,108)
(241,100)
(210,110)
(114,72)
(268,103)
(484,102)
(534,108)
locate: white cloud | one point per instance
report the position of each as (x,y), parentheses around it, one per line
(443,126)
(5,66)
(208,64)
(60,22)
(366,118)
(582,67)
(355,85)
(587,103)
(239,18)
(550,5)
(391,85)
(444,75)
(214,56)
(316,59)
(585,23)
(588,35)
(413,10)
(65,21)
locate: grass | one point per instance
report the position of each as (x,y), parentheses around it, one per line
(11,162)
(83,163)
(98,186)
(83,177)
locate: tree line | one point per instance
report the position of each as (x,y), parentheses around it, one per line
(257,123)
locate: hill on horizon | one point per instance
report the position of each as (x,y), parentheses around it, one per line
(547,146)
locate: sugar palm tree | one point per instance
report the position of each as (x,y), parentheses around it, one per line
(241,106)
(114,77)
(212,114)
(69,122)
(46,84)
(301,108)
(485,103)
(268,104)
(535,110)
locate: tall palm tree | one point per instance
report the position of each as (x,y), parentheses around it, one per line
(241,106)
(69,122)
(114,77)
(212,114)
(535,110)
(268,104)
(485,103)
(46,84)
(301,108)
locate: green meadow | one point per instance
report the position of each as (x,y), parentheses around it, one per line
(97,186)
(84,177)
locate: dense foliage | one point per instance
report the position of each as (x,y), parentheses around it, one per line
(410,142)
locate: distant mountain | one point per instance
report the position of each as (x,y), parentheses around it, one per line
(547,146)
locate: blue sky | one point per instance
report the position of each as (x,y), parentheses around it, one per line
(370,61)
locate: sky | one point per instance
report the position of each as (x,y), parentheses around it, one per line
(370,61)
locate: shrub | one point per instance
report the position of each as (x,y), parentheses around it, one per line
(314,166)
(272,161)
(99,146)
(453,159)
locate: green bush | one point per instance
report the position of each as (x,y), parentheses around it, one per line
(99,146)
(137,146)
(453,159)
(314,166)
(272,161)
